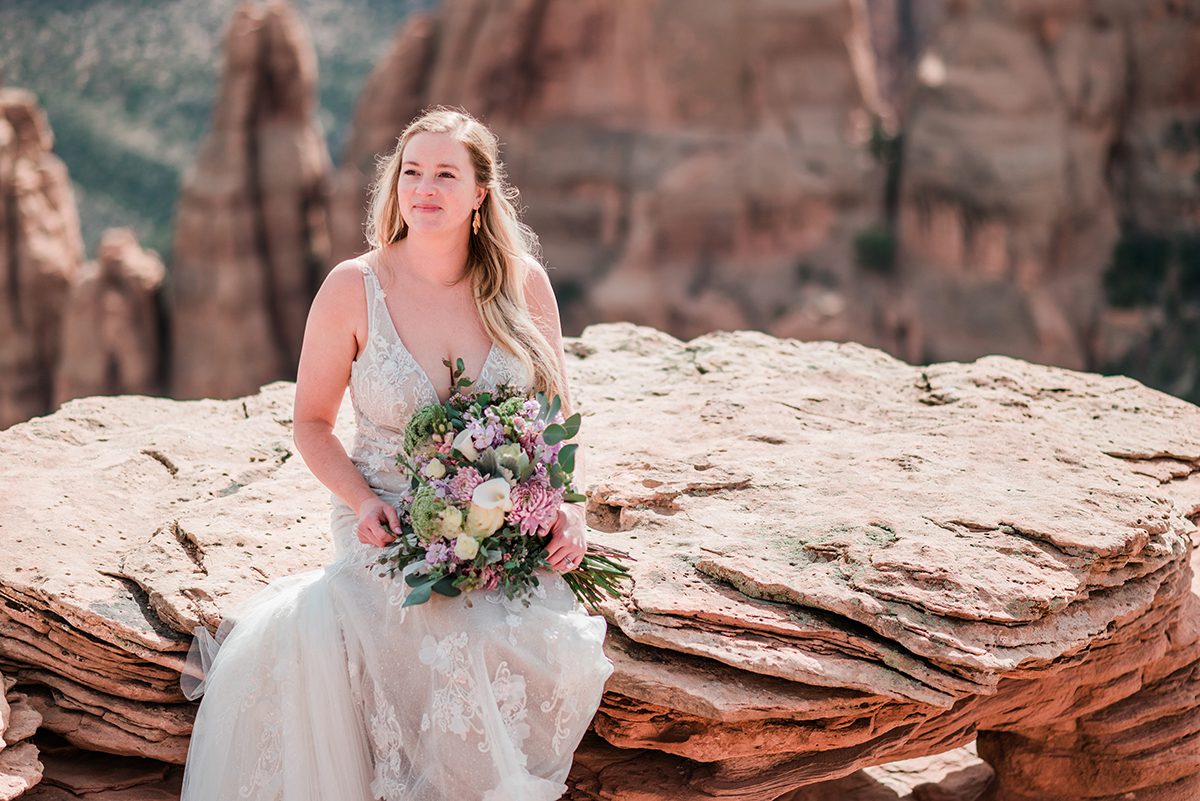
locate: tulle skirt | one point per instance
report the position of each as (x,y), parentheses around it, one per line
(322,687)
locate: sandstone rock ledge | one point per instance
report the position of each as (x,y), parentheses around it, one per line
(843,560)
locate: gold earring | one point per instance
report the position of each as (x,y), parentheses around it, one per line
(475,222)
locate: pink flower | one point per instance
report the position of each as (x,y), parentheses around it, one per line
(535,506)
(464,483)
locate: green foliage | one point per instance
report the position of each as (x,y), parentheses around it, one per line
(1138,267)
(806,273)
(875,249)
(1180,137)
(422,425)
(426,507)
(1188,249)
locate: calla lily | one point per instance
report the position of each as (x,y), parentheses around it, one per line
(463,444)
(492,494)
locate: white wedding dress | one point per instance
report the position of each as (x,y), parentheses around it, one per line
(323,688)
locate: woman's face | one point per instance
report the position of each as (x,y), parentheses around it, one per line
(436,189)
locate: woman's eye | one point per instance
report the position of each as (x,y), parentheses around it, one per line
(410,172)
(448,174)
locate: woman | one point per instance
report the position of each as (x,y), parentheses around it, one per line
(324,686)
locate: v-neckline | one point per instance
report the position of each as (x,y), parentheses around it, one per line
(400,340)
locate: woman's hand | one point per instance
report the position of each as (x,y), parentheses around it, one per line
(568,539)
(373,515)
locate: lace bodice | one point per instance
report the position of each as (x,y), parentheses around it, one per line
(388,385)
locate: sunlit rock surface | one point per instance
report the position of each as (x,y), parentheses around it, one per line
(842,561)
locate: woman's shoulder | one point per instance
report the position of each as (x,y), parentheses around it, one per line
(343,286)
(538,288)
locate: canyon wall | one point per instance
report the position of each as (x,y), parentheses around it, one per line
(941,180)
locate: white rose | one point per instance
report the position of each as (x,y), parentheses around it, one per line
(482,522)
(463,444)
(466,547)
(452,520)
(435,469)
(492,494)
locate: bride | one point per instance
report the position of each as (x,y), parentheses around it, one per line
(323,687)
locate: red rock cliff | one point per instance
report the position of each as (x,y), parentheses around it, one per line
(251,243)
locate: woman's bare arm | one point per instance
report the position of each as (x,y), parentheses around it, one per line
(329,348)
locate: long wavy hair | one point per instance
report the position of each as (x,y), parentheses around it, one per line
(498,257)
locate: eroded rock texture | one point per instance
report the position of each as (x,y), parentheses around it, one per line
(41,250)
(74,774)
(112,324)
(845,560)
(842,561)
(684,163)
(251,243)
(20,768)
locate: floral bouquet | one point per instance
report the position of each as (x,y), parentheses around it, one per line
(490,470)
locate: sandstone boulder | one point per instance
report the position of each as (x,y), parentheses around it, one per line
(250,240)
(842,561)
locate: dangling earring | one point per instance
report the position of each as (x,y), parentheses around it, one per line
(475,222)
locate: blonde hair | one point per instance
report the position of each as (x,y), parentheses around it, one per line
(499,257)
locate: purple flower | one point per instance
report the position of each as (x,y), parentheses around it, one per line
(438,552)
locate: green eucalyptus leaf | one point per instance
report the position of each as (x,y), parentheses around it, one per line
(419,595)
(566,457)
(554,434)
(575,497)
(571,424)
(446,587)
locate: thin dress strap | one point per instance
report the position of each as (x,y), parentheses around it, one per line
(375,299)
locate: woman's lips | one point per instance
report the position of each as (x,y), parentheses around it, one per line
(425,208)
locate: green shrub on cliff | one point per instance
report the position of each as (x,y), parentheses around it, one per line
(1137,270)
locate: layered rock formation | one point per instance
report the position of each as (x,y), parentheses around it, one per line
(251,240)
(112,324)
(842,560)
(20,768)
(41,251)
(73,774)
(682,162)
(992,547)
